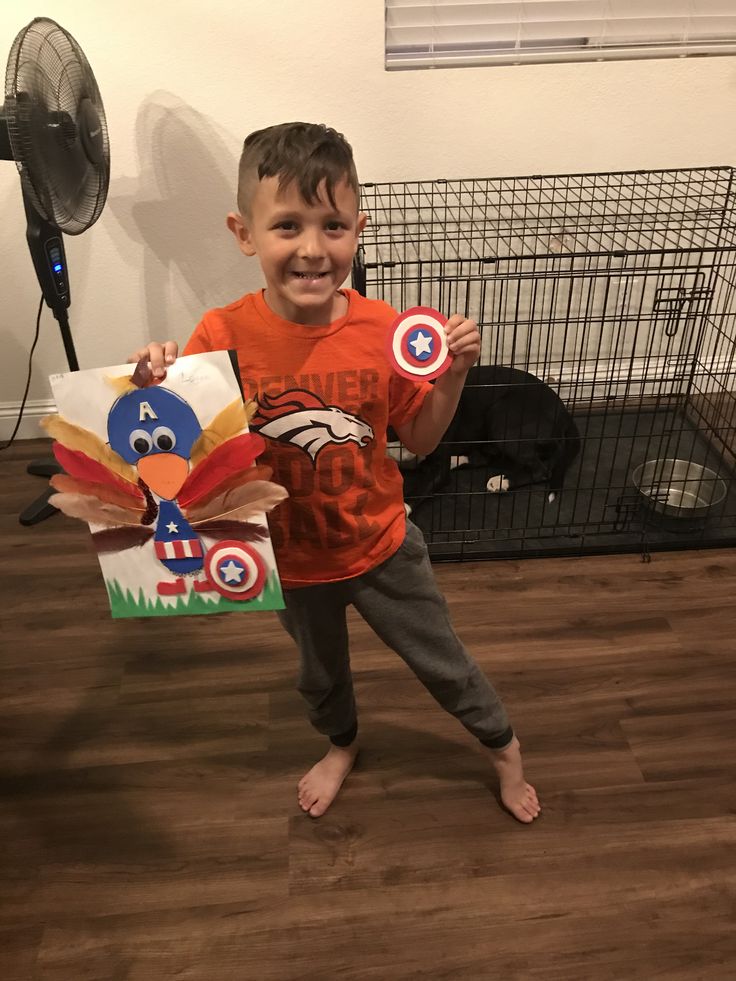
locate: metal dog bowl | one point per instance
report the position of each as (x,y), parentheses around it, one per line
(679,488)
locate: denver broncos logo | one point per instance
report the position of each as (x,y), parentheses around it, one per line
(301,418)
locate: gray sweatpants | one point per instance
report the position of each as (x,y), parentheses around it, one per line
(400,601)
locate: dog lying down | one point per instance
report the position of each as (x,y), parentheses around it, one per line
(507,421)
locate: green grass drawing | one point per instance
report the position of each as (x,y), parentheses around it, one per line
(123,603)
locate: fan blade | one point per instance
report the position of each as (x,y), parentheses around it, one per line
(57,127)
(6,151)
(59,151)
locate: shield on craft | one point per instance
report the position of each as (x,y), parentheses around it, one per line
(235,570)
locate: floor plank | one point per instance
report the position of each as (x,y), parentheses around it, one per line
(147,774)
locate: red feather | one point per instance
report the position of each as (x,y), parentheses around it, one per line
(224,460)
(78,464)
(235,479)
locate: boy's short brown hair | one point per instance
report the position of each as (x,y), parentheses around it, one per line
(308,153)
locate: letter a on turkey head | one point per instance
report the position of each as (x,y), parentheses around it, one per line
(301,418)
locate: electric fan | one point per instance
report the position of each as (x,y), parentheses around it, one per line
(53,125)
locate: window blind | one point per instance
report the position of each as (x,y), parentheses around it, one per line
(436,33)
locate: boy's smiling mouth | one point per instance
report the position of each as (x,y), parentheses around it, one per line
(308,275)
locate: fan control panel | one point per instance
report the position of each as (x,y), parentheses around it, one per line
(57,265)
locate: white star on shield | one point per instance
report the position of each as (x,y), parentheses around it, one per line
(421,344)
(232,572)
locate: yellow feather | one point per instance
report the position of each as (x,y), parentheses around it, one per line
(226,424)
(76,438)
(122,384)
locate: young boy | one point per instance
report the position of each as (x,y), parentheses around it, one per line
(313,355)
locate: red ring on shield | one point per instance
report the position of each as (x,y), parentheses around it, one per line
(236,570)
(417,344)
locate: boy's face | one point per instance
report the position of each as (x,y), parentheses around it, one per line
(305,250)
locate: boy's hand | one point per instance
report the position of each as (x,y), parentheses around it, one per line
(159,357)
(463,339)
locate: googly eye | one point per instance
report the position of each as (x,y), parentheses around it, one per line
(140,441)
(164,438)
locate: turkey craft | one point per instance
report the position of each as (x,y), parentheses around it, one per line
(195,492)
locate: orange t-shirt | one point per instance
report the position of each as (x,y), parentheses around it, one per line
(326,395)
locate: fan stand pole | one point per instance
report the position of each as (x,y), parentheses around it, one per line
(40,509)
(66,336)
(61,149)
(46,245)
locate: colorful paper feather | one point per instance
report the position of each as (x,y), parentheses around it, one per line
(235,479)
(225,459)
(120,538)
(63,483)
(243,531)
(228,423)
(78,464)
(92,510)
(74,437)
(240,503)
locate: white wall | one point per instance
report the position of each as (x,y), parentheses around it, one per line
(184,82)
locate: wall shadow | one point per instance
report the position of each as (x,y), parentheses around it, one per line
(175,211)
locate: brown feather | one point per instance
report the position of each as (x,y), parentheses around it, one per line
(119,539)
(240,503)
(92,510)
(243,531)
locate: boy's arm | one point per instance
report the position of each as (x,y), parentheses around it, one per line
(430,424)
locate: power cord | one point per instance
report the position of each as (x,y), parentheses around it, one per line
(8,442)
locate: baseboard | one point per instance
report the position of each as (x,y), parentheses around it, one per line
(636,379)
(34,411)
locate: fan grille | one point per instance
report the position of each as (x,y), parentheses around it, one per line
(49,91)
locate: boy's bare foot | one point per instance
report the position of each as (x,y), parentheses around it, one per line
(518,796)
(318,788)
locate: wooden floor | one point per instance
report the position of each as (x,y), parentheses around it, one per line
(148,820)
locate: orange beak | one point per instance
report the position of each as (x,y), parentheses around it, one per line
(164,473)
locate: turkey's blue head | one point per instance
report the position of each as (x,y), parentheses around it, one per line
(154,429)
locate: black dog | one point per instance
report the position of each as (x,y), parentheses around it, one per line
(509,422)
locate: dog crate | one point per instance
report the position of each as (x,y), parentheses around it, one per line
(617,290)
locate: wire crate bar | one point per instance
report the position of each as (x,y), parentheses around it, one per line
(617,291)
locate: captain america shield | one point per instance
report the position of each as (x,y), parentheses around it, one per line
(235,570)
(417,344)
